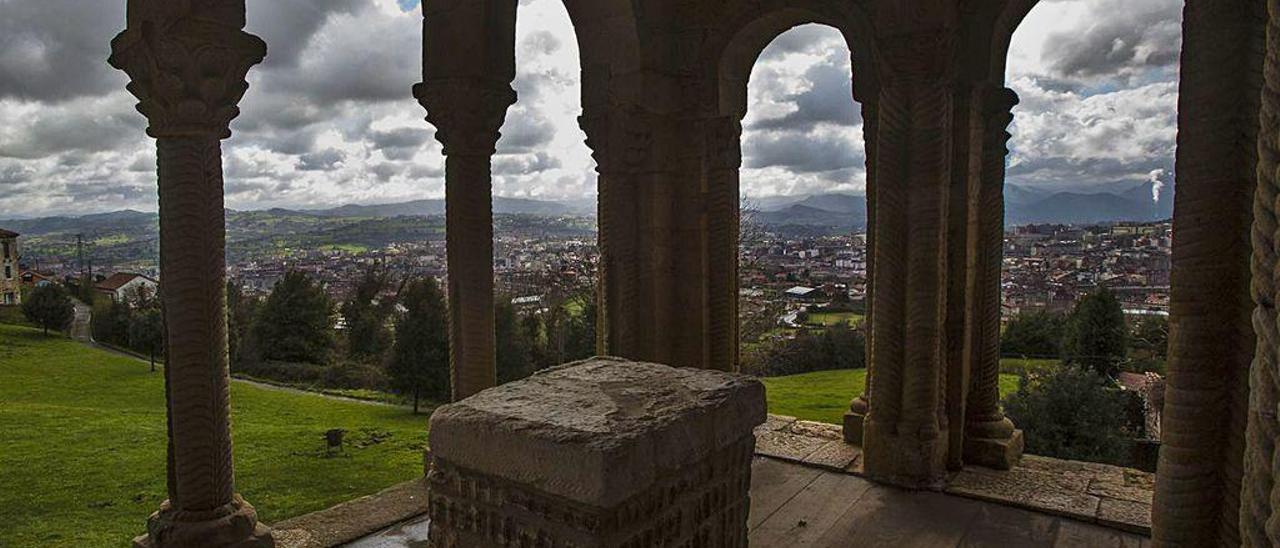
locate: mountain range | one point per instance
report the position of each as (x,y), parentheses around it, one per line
(1023,205)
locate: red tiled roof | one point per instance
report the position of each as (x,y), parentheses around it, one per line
(117,280)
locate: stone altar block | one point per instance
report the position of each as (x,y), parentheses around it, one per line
(599,453)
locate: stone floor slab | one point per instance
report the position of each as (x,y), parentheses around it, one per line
(785,445)
(835,455)
(1130,516)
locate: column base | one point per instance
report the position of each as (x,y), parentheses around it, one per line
(998,453)
(234,525)
(854,419)
(853,422)
(914,459)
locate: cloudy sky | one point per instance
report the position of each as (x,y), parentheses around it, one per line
(329,118)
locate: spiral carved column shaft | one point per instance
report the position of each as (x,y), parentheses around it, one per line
(989,437)
(856,415)
(904,439)
(467,115)
(1210,340)
(720,190)
(1259,496)
(187,64)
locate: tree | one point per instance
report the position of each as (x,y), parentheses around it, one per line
(1149,345)
(146,333)
(1075,414)
(1096,335)
(109,322)
(366,314)
(294,323)
(241,310)
(50,308)
(419,363)
(1033,334)
(513,346)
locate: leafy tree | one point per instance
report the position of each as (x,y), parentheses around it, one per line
(50,308)
(1073,413)
(110,321)
(146,333)
(1096,335)
(580,333)
(85,290)
(366,314)
(1034,334)
(837,346)
(241,310)
(419,363)
(513,345)
(1149,345)
(295,320)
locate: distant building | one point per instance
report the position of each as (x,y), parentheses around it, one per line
(803,293)
(10,293)
(32,279)
(125,287)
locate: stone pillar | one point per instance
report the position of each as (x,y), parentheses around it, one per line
(989,437)
(467,115)
(667,461)
(187,64)
(720,189)
(1259,496)
(856,416)
(1211,341)
(904,431)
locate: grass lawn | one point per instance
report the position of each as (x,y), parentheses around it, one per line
(824,395)
(82,460)
(832,318)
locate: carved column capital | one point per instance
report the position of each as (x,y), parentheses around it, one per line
(724,142)
(467,114)
(997,104)
(187,63)
(621,139)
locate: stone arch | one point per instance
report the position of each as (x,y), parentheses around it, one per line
(1006,23)
(608,48)
(750,33)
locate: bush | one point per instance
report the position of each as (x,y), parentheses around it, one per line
(1074,413)
(837,346)
(353,374)
(1035,334)
(50,308)
(286,372)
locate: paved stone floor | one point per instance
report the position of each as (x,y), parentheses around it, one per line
(793,505)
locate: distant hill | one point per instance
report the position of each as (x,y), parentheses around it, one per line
(1132,203)
(501,206)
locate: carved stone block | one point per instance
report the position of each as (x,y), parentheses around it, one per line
(599,453)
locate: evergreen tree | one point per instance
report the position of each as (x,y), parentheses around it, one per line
(146,333)
(241,309)
(419,363)
(294,323)
(1073,414)
(1149,345)
(580,335)
(1034,334)
(513,346)
(50,308)
(366,314)
(1096,335)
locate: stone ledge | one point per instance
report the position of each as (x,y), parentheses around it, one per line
(353,519)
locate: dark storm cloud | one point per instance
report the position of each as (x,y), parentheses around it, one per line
(524,131)
(53,50)
(800,153)
(540,43)
(829,100)
(1134,36)
(81,125)
(404,137)
(289,25)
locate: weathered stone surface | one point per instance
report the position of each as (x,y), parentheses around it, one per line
(836,455)
(619,423)
(775,423)
(353,519)
(1126,515)
(816,430)
(997,453)
(1055,494)
(785,445)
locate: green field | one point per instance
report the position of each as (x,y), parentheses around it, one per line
(82,460)
(824,396)
(832,318)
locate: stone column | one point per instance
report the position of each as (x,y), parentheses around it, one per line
(187,64)
(989,437)
(1211,340)
(1259,496)
(467,115)
(904,431)
(720,189)
(856,415)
